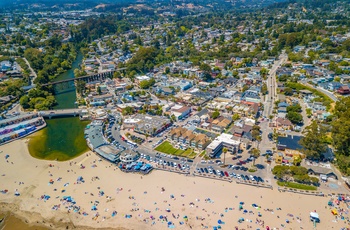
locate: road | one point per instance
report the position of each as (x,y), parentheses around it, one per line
(271,85)
(329,94)
(197,163)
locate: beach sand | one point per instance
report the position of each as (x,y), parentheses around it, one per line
(203,201)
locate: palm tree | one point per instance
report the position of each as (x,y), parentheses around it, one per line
(255,153)
(224,150)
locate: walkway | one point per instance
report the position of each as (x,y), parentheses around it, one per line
(32,72)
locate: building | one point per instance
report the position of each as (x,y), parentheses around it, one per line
(224,140)
(188,138)
(147,125)
(128,157)
(290,148)
(344,90)
(139,79)
(180,111)
(183,85)
(19,126)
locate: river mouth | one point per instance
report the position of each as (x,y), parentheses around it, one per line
(62,139)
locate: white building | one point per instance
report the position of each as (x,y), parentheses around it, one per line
(224,140)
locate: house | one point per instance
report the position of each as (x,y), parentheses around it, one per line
(6,99)
(283,123)
(323,172)
(344,90)
(201,141)
(220,124)
(167,91)
(104,97)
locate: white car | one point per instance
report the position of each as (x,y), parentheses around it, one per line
(238,176)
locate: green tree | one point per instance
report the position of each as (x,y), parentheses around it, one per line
(280,171)
(236,117)
(256,133)
(24,101)
(255,153)
(81,87)
(99,91)
(215,114)
(224,150)
(294,117)
(313,142)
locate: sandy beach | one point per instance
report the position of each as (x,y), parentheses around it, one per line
(105,197)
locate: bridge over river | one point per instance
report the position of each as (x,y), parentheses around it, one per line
(60,113)
(69,84)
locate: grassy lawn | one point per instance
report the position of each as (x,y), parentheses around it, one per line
(192,155)
(167,148)
(296,185)
(202,154)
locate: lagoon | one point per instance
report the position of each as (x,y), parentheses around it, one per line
(62,139)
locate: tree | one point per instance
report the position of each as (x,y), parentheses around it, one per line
(264,89)
(255,153)
(313,142)
(224,150)
(99,90)
(145,84)
(24,101)
(205,67)
(264,72)
(128,111)
(256,132)
(215,114)
(341,134)
(280,171)
(81,87)
(297,161)
(294,117)
(294,108)
(236,117)
(288,91)
(245,88)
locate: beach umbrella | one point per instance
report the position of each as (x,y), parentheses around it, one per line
(7,156)
(161,217)
(241,203)
(215,228)
(219,221)
(169,223)
(245,211)
(219,227)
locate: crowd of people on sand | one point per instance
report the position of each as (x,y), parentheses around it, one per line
(160,215)
(252,215)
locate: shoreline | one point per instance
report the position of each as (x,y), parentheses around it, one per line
(142,199)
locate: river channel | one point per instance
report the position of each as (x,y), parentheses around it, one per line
(63,138)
